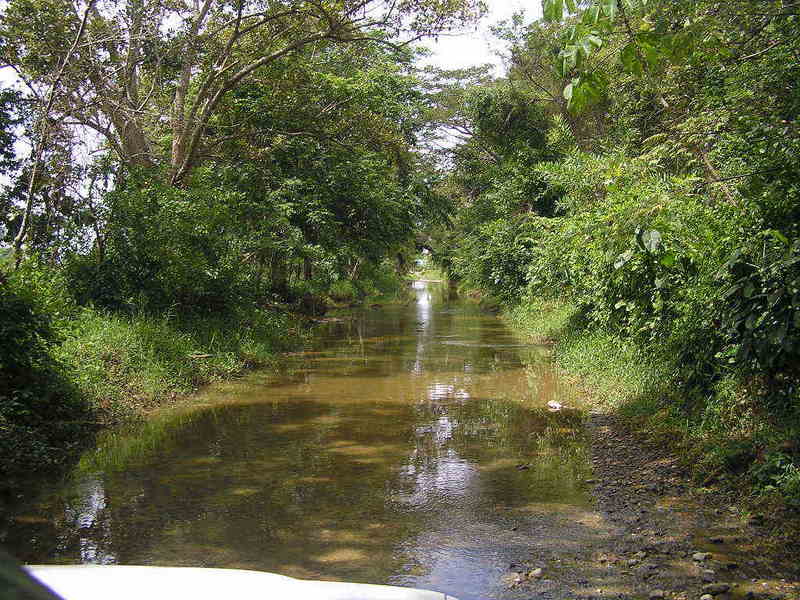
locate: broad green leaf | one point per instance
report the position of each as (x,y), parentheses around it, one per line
(630,60)
(591,15)
(553,10)
(585,48)
(569,56)
(668,260)
(572,33)
(609,8)
(651,53)
(779,236)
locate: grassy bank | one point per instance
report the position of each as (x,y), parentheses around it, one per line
(68,370)
(124,365)
(726,438)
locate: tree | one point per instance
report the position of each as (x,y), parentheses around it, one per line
(150,76)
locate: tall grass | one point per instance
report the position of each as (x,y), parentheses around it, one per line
(124,365)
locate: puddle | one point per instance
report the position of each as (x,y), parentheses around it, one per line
(407,445)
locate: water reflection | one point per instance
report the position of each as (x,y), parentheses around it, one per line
(408,445)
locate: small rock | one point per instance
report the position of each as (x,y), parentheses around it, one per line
(657,595)
(716,588)
(536,573)
(701,556)
(709,576)
(717,540)
(706,597)
(511,579)
(731,565)
(633,562)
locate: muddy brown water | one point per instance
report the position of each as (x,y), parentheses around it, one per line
(407,445)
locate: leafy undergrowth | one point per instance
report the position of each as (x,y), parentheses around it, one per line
(125,365)
(733,437)
(65,370)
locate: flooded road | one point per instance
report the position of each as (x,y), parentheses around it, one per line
(408,445)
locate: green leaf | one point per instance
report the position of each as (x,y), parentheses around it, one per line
(609,8)
(569,57)
(585,46)
(630,60)
(591,15)
(778,334)
(571,6)
(553,10)
(668,260)
(595,40)
(779,236)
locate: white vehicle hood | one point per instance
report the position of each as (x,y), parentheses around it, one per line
(98,582)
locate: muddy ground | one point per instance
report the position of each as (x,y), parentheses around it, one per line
(649,536)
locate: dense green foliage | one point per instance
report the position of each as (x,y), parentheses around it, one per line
(67,368)
(38,404)
(196,173)
(638,174)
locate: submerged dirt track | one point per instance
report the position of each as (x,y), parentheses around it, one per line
(407,445)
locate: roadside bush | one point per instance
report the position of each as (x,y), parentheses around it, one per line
(495,257)
(41,412)
(166,248)
(125,364)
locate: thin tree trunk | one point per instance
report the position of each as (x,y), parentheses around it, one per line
(41,142)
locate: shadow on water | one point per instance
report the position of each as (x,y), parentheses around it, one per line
(407,445)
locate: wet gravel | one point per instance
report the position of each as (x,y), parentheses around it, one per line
(648,536)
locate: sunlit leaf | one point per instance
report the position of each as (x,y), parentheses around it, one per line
(553,10)
(609,8)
